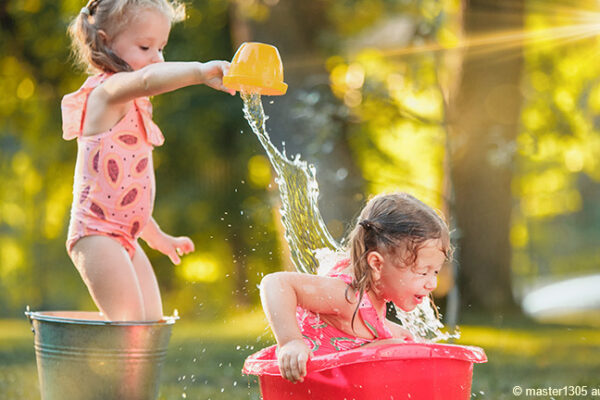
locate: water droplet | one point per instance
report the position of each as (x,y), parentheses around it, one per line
(341,174)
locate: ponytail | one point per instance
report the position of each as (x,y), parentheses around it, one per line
(363,278)
(89,46)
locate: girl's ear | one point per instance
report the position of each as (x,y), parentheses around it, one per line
(375,261)
(103,36)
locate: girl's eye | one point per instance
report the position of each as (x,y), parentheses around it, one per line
(145,48)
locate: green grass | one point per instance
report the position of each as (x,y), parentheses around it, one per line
(205,358)
(534,356)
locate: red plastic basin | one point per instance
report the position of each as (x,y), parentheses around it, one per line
(416,371)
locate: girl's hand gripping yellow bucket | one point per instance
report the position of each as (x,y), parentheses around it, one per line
(256,68)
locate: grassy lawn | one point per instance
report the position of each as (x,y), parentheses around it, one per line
(205,359)
(534,356)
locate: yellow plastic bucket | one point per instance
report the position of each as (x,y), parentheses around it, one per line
(256,68)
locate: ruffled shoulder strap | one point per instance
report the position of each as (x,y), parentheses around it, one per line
(73,107)
(153,133)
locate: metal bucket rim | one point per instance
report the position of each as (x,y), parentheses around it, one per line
(42,316)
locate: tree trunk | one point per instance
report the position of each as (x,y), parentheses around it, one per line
(483,119)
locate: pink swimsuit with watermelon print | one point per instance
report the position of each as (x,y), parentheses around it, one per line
(113,190)
(323,338)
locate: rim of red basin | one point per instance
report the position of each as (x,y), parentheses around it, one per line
(264,361)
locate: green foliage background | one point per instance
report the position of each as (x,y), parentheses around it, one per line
(385,109)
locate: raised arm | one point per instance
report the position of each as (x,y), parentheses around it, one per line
(160,78)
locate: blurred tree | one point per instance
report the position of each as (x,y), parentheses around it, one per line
(483,123)
(34,195)
(556,222)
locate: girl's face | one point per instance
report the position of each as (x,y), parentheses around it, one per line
(142,41)
(407,286)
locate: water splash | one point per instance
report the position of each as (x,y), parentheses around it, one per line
(313,249)
(305,230)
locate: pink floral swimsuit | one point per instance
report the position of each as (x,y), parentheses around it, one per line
(323,338)
(113,191)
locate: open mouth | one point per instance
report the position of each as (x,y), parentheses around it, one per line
(419,298)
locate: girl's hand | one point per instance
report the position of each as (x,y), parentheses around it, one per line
(173,247)
(213,72)
(398,332)
(292,358)
(403,334)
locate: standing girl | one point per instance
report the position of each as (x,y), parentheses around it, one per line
(122,42)
(396,252)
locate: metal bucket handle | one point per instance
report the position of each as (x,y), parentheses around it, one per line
(28,315)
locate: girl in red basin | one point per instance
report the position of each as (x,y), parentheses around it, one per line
(397,249)
(121,42)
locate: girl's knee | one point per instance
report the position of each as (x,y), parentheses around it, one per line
(153,308)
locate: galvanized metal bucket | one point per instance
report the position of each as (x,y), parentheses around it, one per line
(80,356)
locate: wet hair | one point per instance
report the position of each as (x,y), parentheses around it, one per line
(394,224)
(111,16)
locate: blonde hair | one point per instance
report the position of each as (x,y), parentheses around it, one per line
(111,16)
(396,224)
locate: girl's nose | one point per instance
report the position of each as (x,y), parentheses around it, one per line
(431,283)
(158,57)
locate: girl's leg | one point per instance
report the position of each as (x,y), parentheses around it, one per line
(148,285)
(110,276)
